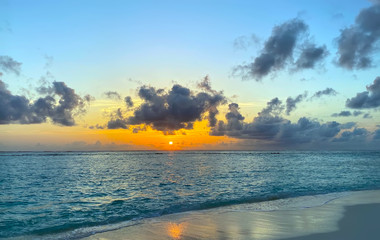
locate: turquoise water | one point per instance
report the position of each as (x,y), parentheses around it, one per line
(44,193)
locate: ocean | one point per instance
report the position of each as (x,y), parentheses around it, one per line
(70,195)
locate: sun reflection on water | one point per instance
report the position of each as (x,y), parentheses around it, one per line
(175,230)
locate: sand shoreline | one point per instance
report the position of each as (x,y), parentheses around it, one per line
(358,222)
(354,216)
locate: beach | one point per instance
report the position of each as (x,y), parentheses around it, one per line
(354,215)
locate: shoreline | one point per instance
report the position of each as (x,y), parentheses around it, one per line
(359,222)
(342,217)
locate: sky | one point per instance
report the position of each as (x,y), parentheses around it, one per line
(204,75)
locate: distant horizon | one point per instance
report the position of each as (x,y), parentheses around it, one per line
(195,150)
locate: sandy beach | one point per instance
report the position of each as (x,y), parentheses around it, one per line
(358,222)
(354,215)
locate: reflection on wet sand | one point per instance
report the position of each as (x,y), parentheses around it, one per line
(278,219)
(175,230)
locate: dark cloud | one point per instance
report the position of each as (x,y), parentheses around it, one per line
(376,134)
(138,129)
(112,95)
(292,102)
(310,56)
(327,91)
(348,125)
(97,126)
(274,107)
(358,134)
(271,127)
(19,109)
(342,114)
(205,85)
(117,123)
(172,110)
(265,126)
(347,114)
(367,115)
(366,99)
(278,49)
(7,64)
(234,122)
(117,120)
(357,43)
(128,101)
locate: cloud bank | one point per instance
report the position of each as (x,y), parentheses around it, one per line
(19,109)
(171,110)
(271,128)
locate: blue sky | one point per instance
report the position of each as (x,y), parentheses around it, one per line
(99,46)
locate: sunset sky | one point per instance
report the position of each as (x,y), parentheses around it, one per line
(205,75)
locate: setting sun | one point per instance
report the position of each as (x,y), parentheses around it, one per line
(170,143)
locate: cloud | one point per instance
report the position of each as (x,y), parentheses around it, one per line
(367,115)
(358,134)
(366,99)
(172,110)
(7,64)
(292,102)
(117,119)
(274,106)
(357,43)
(112,95)
(270,127)
(128,100)
(117,123)
(327,92)
(342,114)
(376,135)
(244,42)
(97,126)
(347,114)
(19,109)
(310,56)
(348,125)
(205,85)
(278,51)
(138,129)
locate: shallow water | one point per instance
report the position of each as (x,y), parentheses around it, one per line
(58,192)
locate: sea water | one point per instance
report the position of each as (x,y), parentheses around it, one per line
(76,194)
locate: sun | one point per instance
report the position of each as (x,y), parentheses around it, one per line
(170,143)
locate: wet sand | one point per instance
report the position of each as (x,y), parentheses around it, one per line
(359,222)
(354,216)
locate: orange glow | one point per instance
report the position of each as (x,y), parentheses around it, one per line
(194,139)
(175,230)
(52,137)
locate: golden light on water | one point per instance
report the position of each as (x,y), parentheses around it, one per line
(175,230)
